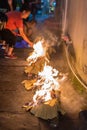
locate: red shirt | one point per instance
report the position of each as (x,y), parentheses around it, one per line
(14,20)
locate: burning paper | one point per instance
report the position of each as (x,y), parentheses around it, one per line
(36,66)
(48,78)
(38,52)
(37,59)
(47,86)
(45,101)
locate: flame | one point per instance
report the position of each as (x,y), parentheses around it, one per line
(48,81)
(38,49)
(48,72)
(38,52)
(42,95)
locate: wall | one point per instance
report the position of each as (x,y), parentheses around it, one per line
(77,29)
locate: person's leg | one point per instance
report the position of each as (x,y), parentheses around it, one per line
(10,39)
(11,42)
(10,51)
(6,49)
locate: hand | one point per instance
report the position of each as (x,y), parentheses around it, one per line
(31,44)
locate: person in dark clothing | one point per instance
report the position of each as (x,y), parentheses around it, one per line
(5,34)
(8,5)
(9,37)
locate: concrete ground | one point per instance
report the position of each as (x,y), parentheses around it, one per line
(13,96)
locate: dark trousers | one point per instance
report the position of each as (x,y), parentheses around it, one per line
(8,37)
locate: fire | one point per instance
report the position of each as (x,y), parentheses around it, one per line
(47,82)
(48,73)
(39,51)
(38,48)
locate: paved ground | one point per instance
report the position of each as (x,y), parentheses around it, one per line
(13,95)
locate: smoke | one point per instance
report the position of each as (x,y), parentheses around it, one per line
(41,32)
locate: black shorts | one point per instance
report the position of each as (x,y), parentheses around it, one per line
(8,37)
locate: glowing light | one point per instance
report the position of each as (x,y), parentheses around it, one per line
(47,82)
(38,52)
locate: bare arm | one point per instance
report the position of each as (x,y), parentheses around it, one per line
(25,37)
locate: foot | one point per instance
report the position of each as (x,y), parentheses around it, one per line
(10,57)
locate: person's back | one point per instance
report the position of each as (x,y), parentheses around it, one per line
(14,20)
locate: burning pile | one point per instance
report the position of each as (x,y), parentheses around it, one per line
(37,59)
(36,62)
(45,81)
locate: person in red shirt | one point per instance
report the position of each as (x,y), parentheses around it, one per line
(14,23)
